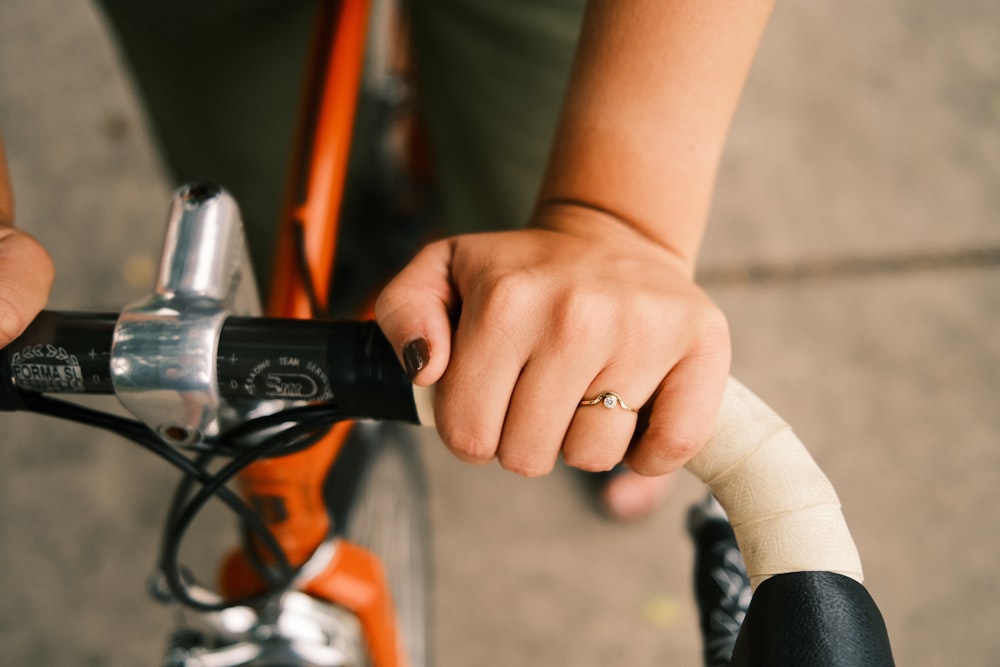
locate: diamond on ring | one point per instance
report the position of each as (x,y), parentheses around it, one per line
(608,399)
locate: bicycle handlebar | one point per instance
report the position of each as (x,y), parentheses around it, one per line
(344,363)
(783,509)
(809,606)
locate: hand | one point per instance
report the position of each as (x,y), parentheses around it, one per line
(26,271)
(577,305)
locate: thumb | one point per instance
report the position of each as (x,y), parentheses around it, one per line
(25,280)
(414,311)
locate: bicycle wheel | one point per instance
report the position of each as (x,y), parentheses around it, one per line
(376,494)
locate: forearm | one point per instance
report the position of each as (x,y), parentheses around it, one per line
(653,91)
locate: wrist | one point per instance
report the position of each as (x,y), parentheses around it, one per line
(590,221)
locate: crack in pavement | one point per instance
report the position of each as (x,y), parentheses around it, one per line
(848,267)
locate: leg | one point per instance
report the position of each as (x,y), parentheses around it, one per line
(221,82)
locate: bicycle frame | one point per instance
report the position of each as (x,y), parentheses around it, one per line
(289,490)
(785,514)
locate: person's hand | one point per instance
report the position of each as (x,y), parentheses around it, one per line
(515,328)
(26,271)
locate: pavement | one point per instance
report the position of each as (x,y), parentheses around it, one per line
(853,246)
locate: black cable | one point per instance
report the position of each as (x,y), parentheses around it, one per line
(142,436)
(181,495)
(296,414)
(234,441)
(251,549)
(183,510)
(176,529)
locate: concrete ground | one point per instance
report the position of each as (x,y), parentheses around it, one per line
(860,188)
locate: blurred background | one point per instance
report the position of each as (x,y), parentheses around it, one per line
(854,245)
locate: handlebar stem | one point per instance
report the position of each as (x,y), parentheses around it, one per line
(163,355)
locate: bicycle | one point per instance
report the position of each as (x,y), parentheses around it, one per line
(271,560)
(159,356)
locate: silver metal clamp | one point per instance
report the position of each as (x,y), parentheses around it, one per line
(163,355)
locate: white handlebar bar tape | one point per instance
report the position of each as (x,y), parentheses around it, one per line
(784,511)
(423,399)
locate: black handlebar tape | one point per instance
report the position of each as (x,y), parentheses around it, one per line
(60,352)
(820,619)
(721,584)
(347,364)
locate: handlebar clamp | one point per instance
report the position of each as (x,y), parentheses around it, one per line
(163,352)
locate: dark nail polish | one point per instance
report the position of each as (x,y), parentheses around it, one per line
(415,356)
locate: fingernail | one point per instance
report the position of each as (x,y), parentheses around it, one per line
(415,356)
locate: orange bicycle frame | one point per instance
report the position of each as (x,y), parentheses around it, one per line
(288,491)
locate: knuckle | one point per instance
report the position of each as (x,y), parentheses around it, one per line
(525,467)
(714,328)
(589,463)
(593,456)
(468,446)
(663,451)
(386,303)
(577,316)
(505,293)
(682,447)
(651,466)
(395,298)
(12,321)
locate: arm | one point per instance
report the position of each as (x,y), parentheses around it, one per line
(597,294)
(652,94)
(26,270)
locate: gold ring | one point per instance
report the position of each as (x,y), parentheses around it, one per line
(608,399)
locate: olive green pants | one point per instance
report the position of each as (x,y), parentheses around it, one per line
(221,82)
